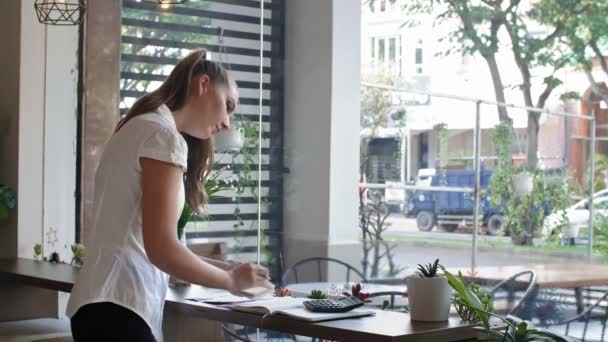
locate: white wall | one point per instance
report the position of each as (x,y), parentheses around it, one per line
(31,132)
(60,120)
(47,136)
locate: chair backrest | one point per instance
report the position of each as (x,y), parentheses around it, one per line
(513,295)
(303,266)
(232,336)
(590,323)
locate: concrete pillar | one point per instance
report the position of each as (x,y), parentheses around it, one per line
(322,130)
(101,95)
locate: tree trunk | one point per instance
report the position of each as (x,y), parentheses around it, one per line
(499,89)
(532,147)
(594,85)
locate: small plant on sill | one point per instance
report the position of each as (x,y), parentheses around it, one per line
(356,292)
(429,270)
(317,294)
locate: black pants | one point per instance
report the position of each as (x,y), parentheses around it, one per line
(109,322)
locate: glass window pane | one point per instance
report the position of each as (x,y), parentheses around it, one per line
(242,175)
(391,49)
(381,49)
(373,47)
(418,59)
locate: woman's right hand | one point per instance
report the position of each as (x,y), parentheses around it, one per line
(247,275)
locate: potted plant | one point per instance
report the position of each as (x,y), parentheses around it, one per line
(522,183)
(213,185)
(231,139)
(7,201)
(429,294)
(509,329)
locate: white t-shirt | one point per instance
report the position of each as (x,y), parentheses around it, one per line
(117,268)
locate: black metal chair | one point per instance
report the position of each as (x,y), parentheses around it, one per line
(293,270)
(235,333)
(589,325)
(515,295)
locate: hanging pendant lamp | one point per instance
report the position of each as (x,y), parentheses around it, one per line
(60,12)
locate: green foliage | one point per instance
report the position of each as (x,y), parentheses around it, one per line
(317,294)
(38,252)
(600,169)
(7,201)
(600,234)
(429,270)
(524,214)
(378,105)
(213,185)
(583,33)
(499,188)
(466,313)
(78,254)
(516,330)
(467,297)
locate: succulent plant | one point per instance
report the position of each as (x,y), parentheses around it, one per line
(54,258)
(316,294)
(428,270)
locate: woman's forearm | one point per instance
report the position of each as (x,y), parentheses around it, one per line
(218,263)
(182,263)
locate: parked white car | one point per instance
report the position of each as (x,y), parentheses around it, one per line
(576,217)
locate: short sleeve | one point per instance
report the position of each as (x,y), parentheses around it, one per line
(166,145)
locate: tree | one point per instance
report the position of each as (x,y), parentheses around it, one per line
(379,108)
(585,33)
(480,24)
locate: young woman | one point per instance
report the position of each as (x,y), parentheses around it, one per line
(161,152)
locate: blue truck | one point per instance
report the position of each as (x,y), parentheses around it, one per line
(449,209)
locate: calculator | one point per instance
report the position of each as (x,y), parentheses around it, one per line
(333,305)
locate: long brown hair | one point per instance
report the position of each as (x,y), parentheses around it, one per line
(173,93)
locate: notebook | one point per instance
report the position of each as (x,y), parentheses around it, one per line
(294,308)
(255,292)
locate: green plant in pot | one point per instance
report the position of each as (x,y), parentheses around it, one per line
(429,294)
(466,313)
(213,185)
(7,201)
(524,195)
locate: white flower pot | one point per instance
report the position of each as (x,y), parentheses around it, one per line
(228,140)
(523,184)
(429,298)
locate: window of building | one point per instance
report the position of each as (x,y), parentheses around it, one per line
(392,49)
(381,48)
(373,45)
(418,58)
